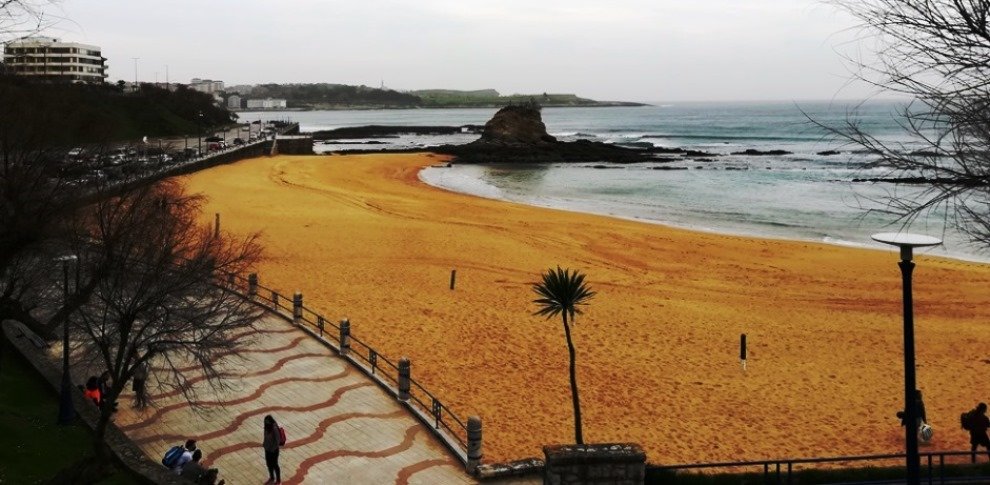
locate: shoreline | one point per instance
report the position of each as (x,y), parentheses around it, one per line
(866,244)
(363,238)
(603,104)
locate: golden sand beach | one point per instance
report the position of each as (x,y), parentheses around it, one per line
(361,237)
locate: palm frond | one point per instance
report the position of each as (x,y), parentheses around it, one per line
(561,291)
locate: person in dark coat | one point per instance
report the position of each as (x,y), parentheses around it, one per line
(919,407)
(138,385)
(270,443)
(978,425)
(193,469)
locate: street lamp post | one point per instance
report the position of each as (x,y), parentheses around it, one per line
(66,411)
(907,242)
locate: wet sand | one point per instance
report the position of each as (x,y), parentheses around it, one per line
(657,349)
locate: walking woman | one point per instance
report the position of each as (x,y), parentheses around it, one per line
(270,443)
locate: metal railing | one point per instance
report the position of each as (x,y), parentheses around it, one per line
(442,420)
(936,469)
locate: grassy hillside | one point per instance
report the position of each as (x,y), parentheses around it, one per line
(329,96)
(340,96)
(79,113)
(442,98)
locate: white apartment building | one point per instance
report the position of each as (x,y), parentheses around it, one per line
(207,86)
(48,59)
(268,103)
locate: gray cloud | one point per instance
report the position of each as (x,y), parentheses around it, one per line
(636,50)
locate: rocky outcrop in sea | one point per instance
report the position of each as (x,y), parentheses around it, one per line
(516,134)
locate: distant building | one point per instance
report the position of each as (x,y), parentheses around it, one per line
(267,103)
(207,86)
(48,59)
(234,102)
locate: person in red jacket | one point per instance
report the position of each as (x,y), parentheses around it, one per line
(978,425)
(92,390)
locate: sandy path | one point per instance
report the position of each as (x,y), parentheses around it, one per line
(361,237)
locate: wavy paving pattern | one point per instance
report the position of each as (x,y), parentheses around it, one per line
(217,454)
(249,398)
(406,473)
(229,375)
(308,463)
(342,428)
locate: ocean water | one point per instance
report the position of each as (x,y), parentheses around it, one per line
(804,195)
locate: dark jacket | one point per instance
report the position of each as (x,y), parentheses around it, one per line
(271,437)
(192,470)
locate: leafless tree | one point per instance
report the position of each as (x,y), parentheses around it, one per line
(37,202)
(23,18)
(937,52)
(163,297)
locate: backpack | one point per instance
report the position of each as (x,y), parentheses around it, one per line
(966,420)
(172,456)
(281,436)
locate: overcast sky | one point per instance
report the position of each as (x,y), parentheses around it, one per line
(641,50)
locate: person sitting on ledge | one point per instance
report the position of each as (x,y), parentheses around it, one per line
(92,390)
(193,469)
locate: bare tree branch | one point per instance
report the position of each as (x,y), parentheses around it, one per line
(938,53)
(159,299)
(24,18)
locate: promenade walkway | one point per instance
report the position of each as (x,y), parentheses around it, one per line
(340,426)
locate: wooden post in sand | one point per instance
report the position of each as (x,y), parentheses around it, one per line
(404,371)
(453,278)
(216,226)
(742,350)
(473,443)
(345,338)
(252,284)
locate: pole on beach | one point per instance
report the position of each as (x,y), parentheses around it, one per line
(216,226)
(907,243)
(742,350)
(453,278)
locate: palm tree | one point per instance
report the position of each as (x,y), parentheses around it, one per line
(561,291)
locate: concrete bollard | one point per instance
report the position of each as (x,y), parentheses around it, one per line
(473,444)
(297,306)
(345,336)
(252,284)
(404,371)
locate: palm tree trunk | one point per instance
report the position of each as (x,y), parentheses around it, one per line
(578,434)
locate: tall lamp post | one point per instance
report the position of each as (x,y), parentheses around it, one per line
(66,411)
(907,243)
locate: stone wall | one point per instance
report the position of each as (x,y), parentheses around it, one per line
(597,464)
(295,145)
